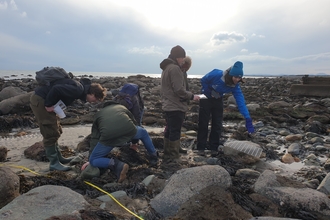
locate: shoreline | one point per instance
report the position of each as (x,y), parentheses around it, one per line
(17,74)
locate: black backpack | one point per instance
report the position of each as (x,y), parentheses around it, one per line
(50,74)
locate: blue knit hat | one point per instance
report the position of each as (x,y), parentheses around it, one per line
(237,69)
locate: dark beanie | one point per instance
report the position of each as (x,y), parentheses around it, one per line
(177,52)
(237,69)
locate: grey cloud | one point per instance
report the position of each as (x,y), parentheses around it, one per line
(313,57)
(3,5)
(71,34)
(258,35)
(13,5)
(227,37)
(145,50)
(256,57)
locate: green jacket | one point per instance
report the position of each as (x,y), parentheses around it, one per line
(113,126)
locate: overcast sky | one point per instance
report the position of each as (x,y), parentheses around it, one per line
(134,36)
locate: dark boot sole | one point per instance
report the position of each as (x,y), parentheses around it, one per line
(201,153)
(172,161)
(123,173)
(65,160)
(65,168)
(182,151)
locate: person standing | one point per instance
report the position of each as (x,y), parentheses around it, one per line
(42,104)
(174,97)
(184,68)
(214,85)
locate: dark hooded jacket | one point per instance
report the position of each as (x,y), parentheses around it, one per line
(174,94)
(66,90)
(130,97)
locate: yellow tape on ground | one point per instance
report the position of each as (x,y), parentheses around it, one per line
(20,167)
(114,199)
(88,183)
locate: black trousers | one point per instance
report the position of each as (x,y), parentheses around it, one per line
(214,108)
(174,121)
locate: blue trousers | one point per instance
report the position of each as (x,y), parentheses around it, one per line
(98,157)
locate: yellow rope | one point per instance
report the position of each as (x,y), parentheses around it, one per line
(88,183)
(21,167)
(113,199)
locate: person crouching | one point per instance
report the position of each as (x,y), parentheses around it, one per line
(114,125)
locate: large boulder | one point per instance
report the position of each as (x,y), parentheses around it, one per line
(292,198)
(15,104)
(9,92)
(9,186)
(44,202)
(186,183)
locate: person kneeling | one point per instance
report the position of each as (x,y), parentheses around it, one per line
(113,126)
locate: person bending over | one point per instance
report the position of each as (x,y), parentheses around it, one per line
(214,85)
(42,104)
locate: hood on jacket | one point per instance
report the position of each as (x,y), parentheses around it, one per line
(111,102)
(86,83)
(166,62)
(129,88)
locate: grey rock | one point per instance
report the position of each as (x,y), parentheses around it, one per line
(13,104)
(325,185)
(272,218)
(148,179)
(9,92)
(116,195)
(185,183)
(43,202)
(294,148)
(9,186)
(247,174)
(312,200)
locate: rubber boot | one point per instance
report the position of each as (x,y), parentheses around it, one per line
(175,146)
(60,157)
(119,168)
(153,159)
(172,152)
(167,151)
(52,156)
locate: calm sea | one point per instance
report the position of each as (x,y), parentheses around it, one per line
(19,74)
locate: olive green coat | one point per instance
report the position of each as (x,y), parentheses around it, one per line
(114,125)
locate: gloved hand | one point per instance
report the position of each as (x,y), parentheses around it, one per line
(249,125)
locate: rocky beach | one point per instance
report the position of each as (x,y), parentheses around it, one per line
(289,180)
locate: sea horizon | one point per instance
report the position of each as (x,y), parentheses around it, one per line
(20,74)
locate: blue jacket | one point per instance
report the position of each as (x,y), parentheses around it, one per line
(214,80)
